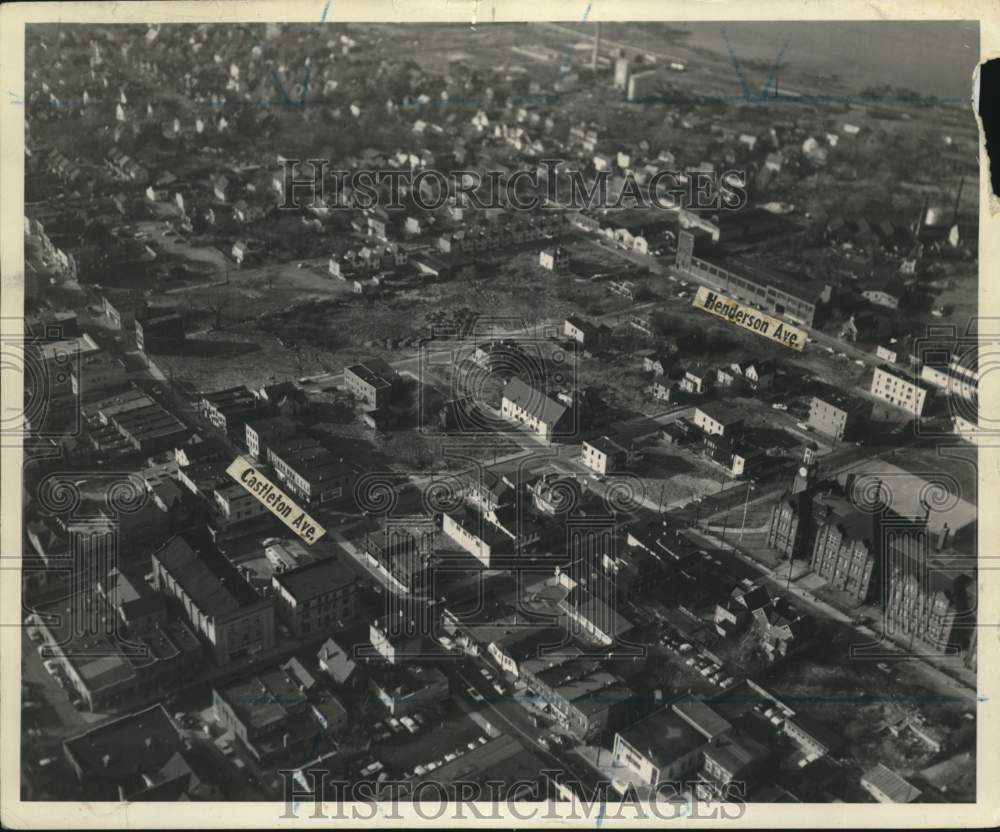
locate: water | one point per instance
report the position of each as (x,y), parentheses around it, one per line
(929,57)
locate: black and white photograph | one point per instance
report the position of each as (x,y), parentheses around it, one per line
(577,416)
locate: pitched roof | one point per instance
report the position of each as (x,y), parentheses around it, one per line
(890,784)
(540,406)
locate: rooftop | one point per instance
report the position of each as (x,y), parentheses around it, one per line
(315,579)
(210,580)
(546,410)
(663,737)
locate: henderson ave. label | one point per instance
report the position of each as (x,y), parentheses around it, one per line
(750,318)
(272,497)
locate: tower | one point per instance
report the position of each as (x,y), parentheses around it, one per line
(597,47)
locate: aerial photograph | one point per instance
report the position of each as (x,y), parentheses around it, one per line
(506,412)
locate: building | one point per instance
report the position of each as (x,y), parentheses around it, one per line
(585,699)
(235,504)
(794,299)
(310,470)
(642,84)
(931,596)
(96,373)
(555,259)
(372,382)
(902,391)
(262,433)
(604,455)
(218,601)
(270,715)
(229,409)
(403,690)
(696,380)
(156,329)
(315,597)
(585,333)
(716,419)
(135,757)
(544,416)
(336,662)
(491,541)
(847,546)
(886,786)
(667,745)
(114,644)
(837,415)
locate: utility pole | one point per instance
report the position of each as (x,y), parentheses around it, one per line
(746,507)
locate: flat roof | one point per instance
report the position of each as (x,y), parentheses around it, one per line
(315,579)
(663,737)
(263,701)
(126,748)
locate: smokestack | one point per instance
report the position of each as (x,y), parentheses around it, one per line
(922,219)
(597,47)
(958,199)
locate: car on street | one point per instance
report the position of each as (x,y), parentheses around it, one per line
(409,724)
(474,694)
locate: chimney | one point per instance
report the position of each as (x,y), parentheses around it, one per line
(106,760)
(597,47)
(285,740)
(944,537)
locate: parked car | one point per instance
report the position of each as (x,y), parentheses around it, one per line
(474,694)
(779,406)
(409,724)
